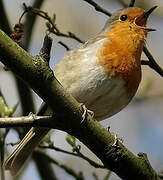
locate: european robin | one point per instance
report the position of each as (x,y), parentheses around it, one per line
(104,73)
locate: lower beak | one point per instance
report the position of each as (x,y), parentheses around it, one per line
(141,20)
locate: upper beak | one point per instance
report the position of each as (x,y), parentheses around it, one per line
(141,20)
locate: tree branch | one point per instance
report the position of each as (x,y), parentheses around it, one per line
(24,92)
(67,169)
(80,155)
(98,8)
(44,166)
(64,45)
(152,63)
(132,2)
(25,121)
(68,115)
(52,27)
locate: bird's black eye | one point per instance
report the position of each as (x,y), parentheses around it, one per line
(123,17)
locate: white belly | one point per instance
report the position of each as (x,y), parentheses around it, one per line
(90,85)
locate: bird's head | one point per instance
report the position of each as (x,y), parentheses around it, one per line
(129,19)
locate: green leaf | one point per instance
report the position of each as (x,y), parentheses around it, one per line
(46,139)
(14,108)
(71,140)
(5,111)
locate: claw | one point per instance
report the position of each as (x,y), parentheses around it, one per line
(116,139)
(85,112)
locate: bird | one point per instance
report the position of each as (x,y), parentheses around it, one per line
(104,73)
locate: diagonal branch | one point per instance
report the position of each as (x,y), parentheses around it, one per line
(107,148)
(132,2)
(152,63)
(80,155)
(67,169)
(98,7)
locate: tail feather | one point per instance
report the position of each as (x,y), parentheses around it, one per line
(16,160)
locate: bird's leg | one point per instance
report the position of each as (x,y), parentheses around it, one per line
(116,139)
(86,112)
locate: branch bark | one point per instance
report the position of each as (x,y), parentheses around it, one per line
(35,71)
(25,94)
(24,91)
(25,121)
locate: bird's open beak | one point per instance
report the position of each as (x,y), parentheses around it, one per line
(141,20)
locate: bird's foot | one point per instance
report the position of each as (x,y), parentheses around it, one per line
(116,139)
(86,112)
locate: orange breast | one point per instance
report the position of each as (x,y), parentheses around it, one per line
(120,57)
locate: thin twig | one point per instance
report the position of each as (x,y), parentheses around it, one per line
(24,121)
(132,3)
(98,7)
(91,162)
(64,45)
(12,144)
(52,27)
(152,63)
(67,169)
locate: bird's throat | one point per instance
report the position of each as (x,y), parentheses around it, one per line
(120,58)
